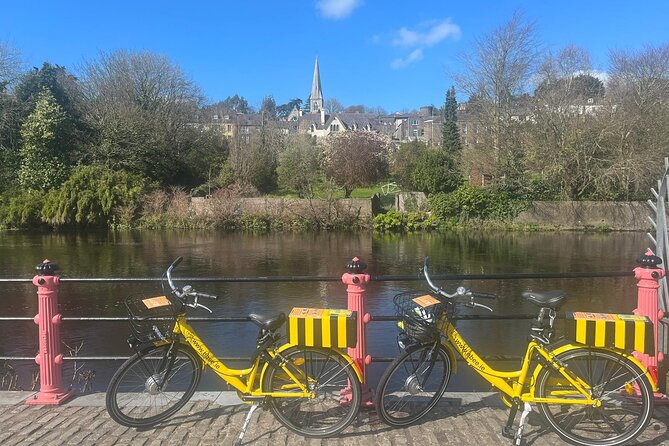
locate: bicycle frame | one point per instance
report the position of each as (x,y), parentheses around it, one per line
(234,377)
(514,382)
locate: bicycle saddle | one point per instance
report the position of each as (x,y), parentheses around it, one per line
(547,299)
(268,322)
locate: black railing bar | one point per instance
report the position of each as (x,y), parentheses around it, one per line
(233,358)
(464,317)
(380,278)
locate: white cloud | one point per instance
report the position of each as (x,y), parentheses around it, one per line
(337,9)
(427,34)
(414,57)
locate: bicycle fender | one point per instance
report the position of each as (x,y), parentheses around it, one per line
(285,347)
(567,347)
(451,355)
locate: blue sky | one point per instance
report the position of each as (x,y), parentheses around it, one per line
(395,55)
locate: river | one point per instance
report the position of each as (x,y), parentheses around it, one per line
(146,254)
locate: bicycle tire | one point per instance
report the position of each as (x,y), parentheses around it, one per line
(401,396)
(337,392)
(133,397)
(625,392)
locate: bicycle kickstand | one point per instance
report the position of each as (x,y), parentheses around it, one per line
(518,440)
(247,420)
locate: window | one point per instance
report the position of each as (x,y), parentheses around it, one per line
(215,117)
(415,132)
(228,127)
(414,122)
(591,101)
(334,127)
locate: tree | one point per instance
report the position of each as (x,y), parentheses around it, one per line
(435,171)
(140,105)
(44,151)
(10,66)
(299,166)
(254,159)
(268,107)
(356,159)
(282,111)
(332,106)
(403,162)
(450,139)
(236,104)
(62,85)
(496,74)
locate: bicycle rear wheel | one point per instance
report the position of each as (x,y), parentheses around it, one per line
(153,385)
(334,383)
(621,386)
(413,384)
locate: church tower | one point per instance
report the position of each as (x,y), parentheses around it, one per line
(316,97)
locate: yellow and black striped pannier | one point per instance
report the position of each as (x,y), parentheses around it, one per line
(321,327)
(622,331)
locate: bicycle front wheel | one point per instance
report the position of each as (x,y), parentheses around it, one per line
(335,385)
(153,385)
(620,385)
(413,384)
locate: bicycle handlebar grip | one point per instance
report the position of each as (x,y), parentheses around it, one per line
(484,295)
(210,296)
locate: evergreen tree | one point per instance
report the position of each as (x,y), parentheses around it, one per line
(450,135)
(43,154)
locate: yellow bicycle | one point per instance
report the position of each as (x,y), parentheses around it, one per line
(597,394)
(312,391)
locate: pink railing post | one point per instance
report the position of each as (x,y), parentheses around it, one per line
(648,276)
(356,281)
(49,358)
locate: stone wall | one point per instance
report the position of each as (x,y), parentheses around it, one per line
(617,216)
(290,207)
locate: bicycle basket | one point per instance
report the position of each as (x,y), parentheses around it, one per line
(151,319)
(420,318)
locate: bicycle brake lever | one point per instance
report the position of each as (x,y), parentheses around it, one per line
(202,306)
(474,304)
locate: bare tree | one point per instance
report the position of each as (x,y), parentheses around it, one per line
(497,72)
(333,106)
(10,65)
(140,104)
(637,134)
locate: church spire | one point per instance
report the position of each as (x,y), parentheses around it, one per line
(316,98)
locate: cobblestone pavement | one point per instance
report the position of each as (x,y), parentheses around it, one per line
(215,419)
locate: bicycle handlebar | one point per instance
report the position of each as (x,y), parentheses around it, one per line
(186,290)
(459,292)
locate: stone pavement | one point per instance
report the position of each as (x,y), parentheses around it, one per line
(214,418)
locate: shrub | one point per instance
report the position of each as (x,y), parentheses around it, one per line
(22,209)
(91,196)
(474,203)
(393,221)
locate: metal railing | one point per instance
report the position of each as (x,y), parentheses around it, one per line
(284,279)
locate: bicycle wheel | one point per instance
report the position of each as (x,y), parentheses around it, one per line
(152,385)
(621,386)
(413,384)
(332,379)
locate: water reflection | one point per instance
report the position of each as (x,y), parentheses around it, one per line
(146,254)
